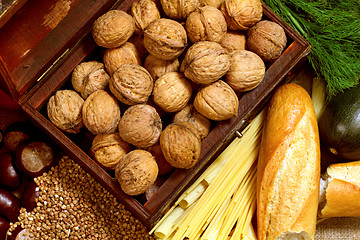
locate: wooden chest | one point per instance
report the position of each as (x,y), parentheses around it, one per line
(44,41)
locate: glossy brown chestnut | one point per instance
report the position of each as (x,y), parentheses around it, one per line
(9,177)
(4,227)
(34,158)
(30,196)
(15,134)
(9,205)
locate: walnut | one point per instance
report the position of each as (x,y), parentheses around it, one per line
(164,166)
(131,84)
(144,12)
(206,24)
(267,39)
(180,146)
(138,41)
(179,9)
(246,71)
(242,14)
(213,3)
(89,77)
(234,40)
(205,62)
(172,92)
(201,124)
(158,67)
(217,101)
(136,172)
(140,125)
(64,110)
(165,38)
(115,57)
(101,113)
(113,29)
(107,149)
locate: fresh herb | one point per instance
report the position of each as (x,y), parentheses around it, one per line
(333,30)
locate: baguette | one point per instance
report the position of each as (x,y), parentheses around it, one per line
(340,191)
(288,167)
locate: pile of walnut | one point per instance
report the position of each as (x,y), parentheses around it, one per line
(190,60)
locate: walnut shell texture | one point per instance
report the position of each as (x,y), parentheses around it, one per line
(179,9)
(144,12)
(206,24)
(205,62)
(246,71)
(213,3)
(136,172)
(172,92)
(217,101)
(158,67)
(201,124)
(164,166)
(234,40)
(267,39)
(108,149)
(242,14)
(180,146)
(165,38)
(140,125)
(89,77)
(64,110)
(113,28)
(131,84)
(101,113)
(115,57)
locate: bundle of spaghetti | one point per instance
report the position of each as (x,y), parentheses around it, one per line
(222,199)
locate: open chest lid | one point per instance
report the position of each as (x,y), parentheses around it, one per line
(41,35)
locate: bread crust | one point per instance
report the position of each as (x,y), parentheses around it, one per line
(288,166)
(343,191)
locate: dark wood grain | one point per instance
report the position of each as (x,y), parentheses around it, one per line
(83,48)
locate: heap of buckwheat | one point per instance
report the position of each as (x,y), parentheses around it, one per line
(73,205)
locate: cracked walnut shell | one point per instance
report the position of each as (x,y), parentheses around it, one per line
(206,24)
(136,172)
(180,146)
(172,92)
(140,125)
(205,62)
(107,149)
(165,38)
(267,39)
(246,71)
(101,113)
(242,14)
(131,84)
(64,110)
(144,12)
(217,101)
(113,29)
(89,77)
(115,57)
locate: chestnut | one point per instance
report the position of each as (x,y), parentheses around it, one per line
(16,133)
(4,227)
(30,196)
(33,158)
(19,234)
(9,177)
(9,205)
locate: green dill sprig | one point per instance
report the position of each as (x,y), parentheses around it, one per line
(333,30)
